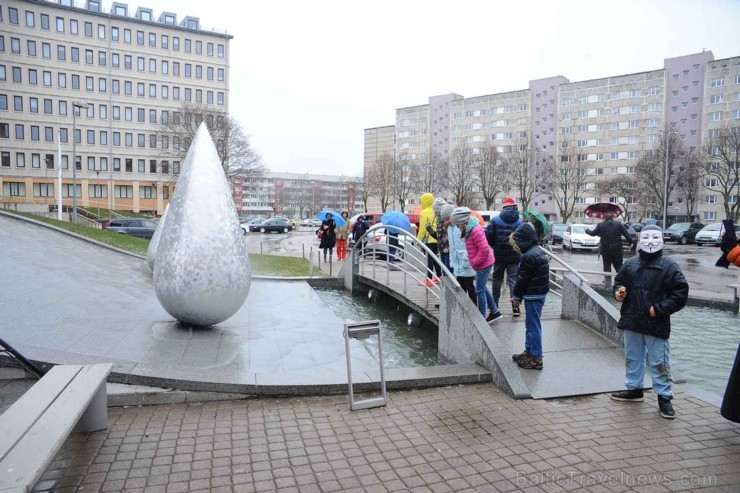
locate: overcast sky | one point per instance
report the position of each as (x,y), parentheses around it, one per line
(308,76)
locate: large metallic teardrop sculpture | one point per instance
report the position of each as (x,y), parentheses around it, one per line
(201,271)
(151,251)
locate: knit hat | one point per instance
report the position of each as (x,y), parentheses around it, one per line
(446,211)
(460,215)
(651,227)
(438,203)
(508,202)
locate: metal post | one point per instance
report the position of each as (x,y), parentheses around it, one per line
(363,330)
(304,249)
(97,177)
(665,181)
(74,163)
(59,192)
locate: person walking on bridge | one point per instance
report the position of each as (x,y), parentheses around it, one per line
(532,286)
(611,233)
(507,259)
(651,287)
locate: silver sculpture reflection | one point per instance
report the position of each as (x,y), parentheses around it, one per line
(151,251)
(201,271)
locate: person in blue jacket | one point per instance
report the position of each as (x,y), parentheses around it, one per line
(459,262)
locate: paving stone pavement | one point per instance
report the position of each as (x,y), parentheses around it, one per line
(466,438)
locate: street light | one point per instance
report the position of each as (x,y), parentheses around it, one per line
(75,107)
(665,180)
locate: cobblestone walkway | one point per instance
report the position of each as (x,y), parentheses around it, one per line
(468,438)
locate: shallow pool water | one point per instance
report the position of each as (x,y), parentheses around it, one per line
(403,346)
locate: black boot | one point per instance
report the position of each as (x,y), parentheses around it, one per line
(635,395)
(666,408)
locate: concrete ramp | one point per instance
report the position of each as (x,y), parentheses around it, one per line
(577,360)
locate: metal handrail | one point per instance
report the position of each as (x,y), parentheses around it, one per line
(412,248)
(565,264)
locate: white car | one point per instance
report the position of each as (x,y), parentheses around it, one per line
(575,238)
(712,234)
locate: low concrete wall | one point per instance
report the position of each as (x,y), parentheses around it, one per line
(582,303)
(464,337)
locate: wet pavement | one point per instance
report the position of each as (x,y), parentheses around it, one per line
(468,438)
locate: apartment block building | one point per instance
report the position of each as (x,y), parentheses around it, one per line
(610,122)
(113,75)
(379,142)
(296,195)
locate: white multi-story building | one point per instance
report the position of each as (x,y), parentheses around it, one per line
(296,195)
(126,73)
(610,122)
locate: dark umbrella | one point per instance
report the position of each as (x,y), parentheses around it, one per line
(728,241)
(599,209)
(539,217)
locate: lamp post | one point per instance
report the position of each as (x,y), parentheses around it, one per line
(665,178)
(75,106)
(97,191)
(533,152)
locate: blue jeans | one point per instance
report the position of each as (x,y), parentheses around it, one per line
(533,326)
(658,353)
(484,295)
(445,258)
(511,270)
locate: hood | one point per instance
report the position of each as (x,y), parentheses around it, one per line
(523,238)
(426,200)
(472,222)
(510,214)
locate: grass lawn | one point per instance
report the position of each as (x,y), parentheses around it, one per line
(274,265)
(128,243)
(262,265)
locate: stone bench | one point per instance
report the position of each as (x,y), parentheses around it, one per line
(69,398)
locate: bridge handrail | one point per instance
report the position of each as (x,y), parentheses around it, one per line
(418,244)
(562,262)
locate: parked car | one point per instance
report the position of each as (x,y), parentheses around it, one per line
(633,234)
(245,225)
(314,223)
(682,233)
(711,234)
(575,238)
(280,225)
(557,233)
(141,228)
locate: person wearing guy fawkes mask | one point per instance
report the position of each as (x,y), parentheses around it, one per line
(651,287)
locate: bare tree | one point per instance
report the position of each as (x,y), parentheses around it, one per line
(651,168)
(303,197)
(176,132)
(379,179)
(721,166)
(364,191)
(622,189)
(491,174)
(404,180)
(526,175)
(432,176)
(690,184)
(568,178)
(462,180)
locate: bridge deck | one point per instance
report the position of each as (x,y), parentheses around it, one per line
(577,359)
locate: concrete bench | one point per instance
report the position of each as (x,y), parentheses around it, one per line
(68,398)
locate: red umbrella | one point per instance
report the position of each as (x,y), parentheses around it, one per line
(598,209)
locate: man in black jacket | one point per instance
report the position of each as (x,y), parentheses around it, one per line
(651,287)
(506,259)
(611,233)
(532,285)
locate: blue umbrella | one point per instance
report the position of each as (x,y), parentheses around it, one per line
(397,219)
(334,215)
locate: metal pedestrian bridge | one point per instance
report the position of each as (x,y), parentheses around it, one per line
(582,347)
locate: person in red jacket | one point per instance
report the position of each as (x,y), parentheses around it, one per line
(481,259)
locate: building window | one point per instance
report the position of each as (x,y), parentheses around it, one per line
(220,51)
(175,43)
(221,98)
(88,29)
(101,31)
(75,54)
(127,35)
(116,164)
(44,22)
(221,75)
(114,34)
(30,47)
(153,40)
(187,45)
(164,41)
(140,38)
(74,27)
(12,188)
(20,160)
(46,50)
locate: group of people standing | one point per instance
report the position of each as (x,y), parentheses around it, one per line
(331,235)
(507,245)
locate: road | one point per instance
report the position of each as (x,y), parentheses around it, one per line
(697,263)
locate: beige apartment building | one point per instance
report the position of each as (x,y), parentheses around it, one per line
(379,142)
(126,73)
(610,121)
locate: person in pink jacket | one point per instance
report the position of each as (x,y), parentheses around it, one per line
(481,259)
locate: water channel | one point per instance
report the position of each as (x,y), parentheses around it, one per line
(703,340)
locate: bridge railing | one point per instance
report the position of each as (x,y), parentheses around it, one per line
(384,249)
(557,273)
